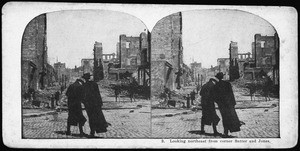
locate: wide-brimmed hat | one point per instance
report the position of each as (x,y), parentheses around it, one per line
(86,75)
(219,75)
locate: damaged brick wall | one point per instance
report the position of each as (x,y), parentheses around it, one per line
(32,50)
(165,46)
(265,50)
(129,51)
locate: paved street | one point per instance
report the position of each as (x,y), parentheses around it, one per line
(124,125)
(135,123)
(132,120)
(259,123)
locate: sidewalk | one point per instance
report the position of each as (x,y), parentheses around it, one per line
(37,112)
(107,105)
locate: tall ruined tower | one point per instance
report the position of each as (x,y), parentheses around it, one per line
(233,61)
(98,64)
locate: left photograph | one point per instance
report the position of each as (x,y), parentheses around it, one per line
(85,74)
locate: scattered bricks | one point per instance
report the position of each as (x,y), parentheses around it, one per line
(184,112)
(169,115)
(273,105)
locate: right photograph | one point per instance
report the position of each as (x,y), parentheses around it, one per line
(214,74)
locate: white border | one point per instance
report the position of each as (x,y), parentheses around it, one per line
(16,15)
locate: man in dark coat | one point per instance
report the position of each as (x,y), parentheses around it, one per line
(75,97)
(93,105)
(226,102)
(117,91)
(209,115)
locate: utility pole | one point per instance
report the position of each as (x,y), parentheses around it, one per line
(198,79)
(201,80)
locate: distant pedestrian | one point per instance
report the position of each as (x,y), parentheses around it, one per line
(167,93)
(193,96)
(209,115)
(57,95)
(226,102)
(93,105)
(52,99)
(31,93)
(117,92)
(188,99)
(75,96)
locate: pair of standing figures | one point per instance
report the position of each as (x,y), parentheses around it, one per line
(219,91)
(86,92)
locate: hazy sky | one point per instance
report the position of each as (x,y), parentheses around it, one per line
(207,34)
(71,34)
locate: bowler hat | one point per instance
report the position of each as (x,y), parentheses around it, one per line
(86,75)
(219,75)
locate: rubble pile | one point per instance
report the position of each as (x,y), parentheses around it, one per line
(240,86)
(41,97)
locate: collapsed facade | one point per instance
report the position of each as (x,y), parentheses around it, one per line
(61,72)
(133,58)
(87,65)
(264,59)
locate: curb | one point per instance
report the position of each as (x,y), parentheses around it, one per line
(54,112)
(39,114)
(120,108)
(191,112)
(172,114)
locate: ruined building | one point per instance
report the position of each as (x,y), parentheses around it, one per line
(109,60)
(245,60)
(128,55)
(196,71)
(129,49)
(166,54)
(87,65)
(144,60)
(223,66)
(98,62)
(60,69)
(34,66)
(133,54)
(265,51)
(186,77)
(264,59)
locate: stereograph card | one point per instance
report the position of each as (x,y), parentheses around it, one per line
(82,75)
